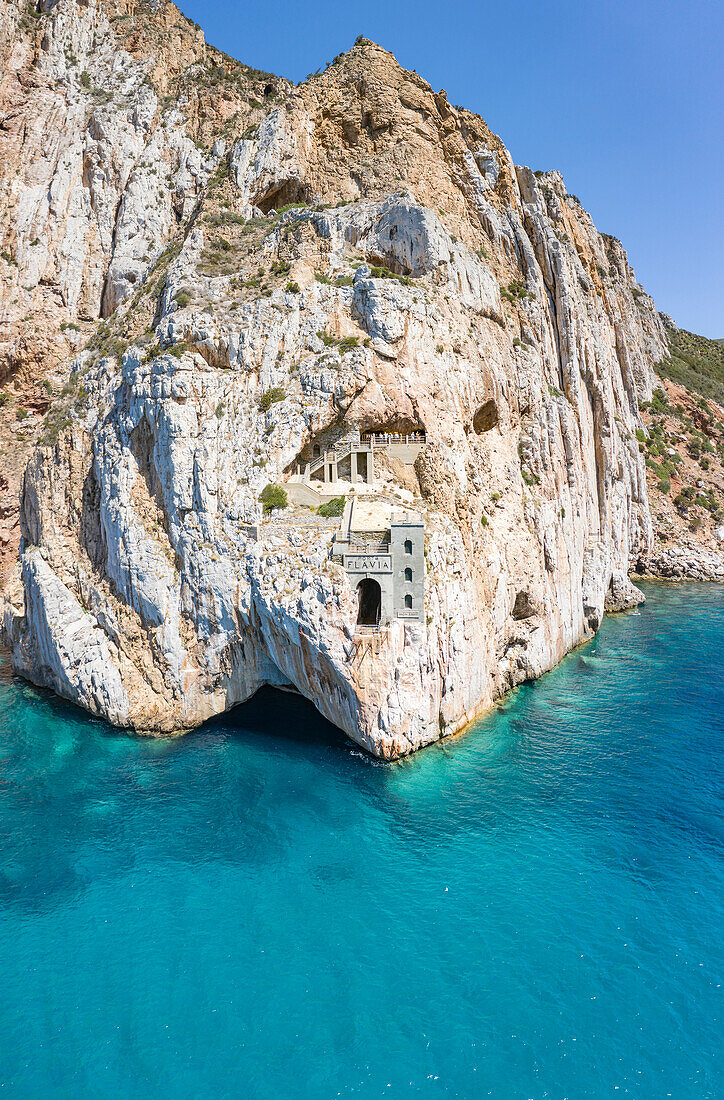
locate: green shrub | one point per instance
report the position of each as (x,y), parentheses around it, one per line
(293,288)
(182,298)
(85,80)
(333,507)
(271,397)
(82,399)
(664,485)
(385,273)
(695,362)
(273,496)
(514,291)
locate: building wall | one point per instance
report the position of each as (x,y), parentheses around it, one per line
(390,572)
(400,534)
(379,568)
(406,452)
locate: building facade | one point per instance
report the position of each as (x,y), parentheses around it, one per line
(383,553)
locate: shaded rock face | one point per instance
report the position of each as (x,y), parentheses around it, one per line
(421,281)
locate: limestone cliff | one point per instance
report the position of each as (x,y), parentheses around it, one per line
(270,268)
(112,119)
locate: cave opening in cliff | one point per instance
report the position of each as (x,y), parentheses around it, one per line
(282,194)
(369,600)
(398,426)
(388,260)
(486,417)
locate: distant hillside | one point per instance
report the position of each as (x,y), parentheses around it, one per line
(695,362)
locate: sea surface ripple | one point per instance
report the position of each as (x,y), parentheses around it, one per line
(533,909)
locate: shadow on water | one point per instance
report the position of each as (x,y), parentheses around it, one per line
(270,713)
(80,800)
(282,715)
(72,785)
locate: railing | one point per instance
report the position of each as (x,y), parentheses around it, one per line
(344,446)
(340,449)
(384,439)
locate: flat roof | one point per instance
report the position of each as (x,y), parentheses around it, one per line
(370,515)
(379,515)
(407,517)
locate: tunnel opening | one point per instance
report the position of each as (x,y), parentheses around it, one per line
(369,602)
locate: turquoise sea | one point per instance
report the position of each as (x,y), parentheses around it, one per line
(534,909)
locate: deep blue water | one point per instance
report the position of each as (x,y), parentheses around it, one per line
(534,909)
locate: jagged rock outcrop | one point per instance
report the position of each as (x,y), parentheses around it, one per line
(113,117)
(365,256)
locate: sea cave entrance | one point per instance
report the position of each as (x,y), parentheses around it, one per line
(369,601)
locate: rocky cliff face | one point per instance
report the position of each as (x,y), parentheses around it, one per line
(352,252)
(113,118)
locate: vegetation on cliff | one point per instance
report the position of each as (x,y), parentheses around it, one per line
(695,362)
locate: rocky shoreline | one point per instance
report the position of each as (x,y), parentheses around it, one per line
(681,562)
(350,255)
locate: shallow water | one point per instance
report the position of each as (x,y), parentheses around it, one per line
(533,909)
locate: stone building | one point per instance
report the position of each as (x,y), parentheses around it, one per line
(327,468)
(382,549)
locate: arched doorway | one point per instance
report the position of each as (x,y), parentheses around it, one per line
(369,602)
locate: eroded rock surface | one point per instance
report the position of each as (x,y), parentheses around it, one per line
(360,255)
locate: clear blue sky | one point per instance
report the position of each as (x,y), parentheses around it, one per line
(625,98)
